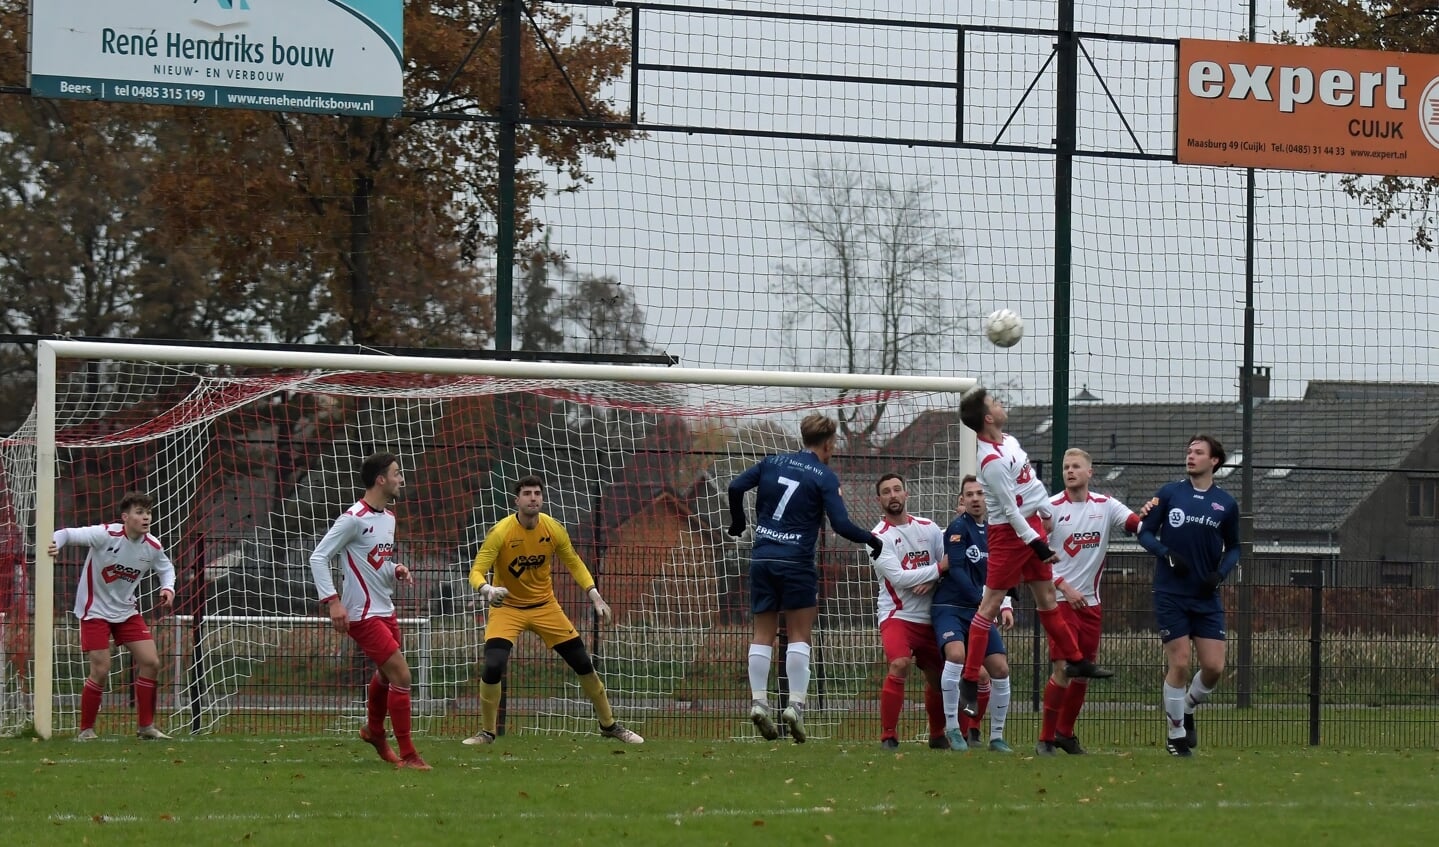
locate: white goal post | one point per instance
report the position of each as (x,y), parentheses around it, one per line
(607,411)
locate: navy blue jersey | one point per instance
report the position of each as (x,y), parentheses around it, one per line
(1201,526)
(967,546)
(796,491)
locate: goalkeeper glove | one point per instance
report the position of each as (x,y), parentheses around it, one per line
(736,528)
(875,547)
(601,607)
(1041,550)
(1212,580)
(493,593)
(1179,565)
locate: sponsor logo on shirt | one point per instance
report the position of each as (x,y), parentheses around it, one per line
(379,554)
(1176,517)
(521,564)
(1080,540)
(776,535)
(973,553)
(914,559)
(113,573)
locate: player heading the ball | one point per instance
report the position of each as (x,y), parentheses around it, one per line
(1016,502)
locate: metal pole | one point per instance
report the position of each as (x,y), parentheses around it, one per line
(1066,110)
(1244,682)
(1316,648)
(45,457)
(505,141)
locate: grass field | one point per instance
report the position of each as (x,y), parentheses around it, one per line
(559,790)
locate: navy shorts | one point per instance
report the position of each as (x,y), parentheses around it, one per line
(1177,616)
(779,584)
(951,623)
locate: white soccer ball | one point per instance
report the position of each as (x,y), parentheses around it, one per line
(1004,327)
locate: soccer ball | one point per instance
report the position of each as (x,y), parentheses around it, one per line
(1004,328)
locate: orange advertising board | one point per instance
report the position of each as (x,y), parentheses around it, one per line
(1308,108)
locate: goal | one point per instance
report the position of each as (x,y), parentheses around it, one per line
(251,453)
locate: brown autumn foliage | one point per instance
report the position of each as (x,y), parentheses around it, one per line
(1405,26)
(207,223)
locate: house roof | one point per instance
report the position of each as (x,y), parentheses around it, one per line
(1312,468)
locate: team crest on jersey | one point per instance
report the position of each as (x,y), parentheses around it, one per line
(1218,507)
(1026,473)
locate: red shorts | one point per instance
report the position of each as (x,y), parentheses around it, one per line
(379,638)
(95,633)
(1085,623)
(903,639)
(1011,561)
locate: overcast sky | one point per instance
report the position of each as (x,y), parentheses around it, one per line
(698,225)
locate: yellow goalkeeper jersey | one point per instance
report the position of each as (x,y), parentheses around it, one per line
(519,559)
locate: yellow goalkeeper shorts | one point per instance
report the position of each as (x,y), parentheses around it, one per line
(548,621)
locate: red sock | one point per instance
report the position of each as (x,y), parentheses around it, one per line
(376,702)
(891,701)
(1073,702)
(399,705)
(1061,638)
(89,704)
(983,704)
(144,701)
(966,723)
(1053,701)
(978,644)
(934,707)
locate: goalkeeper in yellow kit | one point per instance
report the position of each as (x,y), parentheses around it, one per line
(512,574)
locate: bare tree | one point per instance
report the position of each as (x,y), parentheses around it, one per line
(875,278)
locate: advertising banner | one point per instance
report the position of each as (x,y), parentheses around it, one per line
(330,56)
(1308,108)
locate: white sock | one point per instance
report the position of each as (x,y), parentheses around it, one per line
(998,707)
(1198,693)
(949,692)
(796,666)
(759,659)
(1174,710)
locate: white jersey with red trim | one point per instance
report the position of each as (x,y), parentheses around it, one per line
(364,541)
(910,558)
(113,570)
(1012,490)
(1081,535)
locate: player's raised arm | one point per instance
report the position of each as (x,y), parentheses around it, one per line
(87,536)
(839,520)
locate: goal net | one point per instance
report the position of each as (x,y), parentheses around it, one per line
(251,454)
